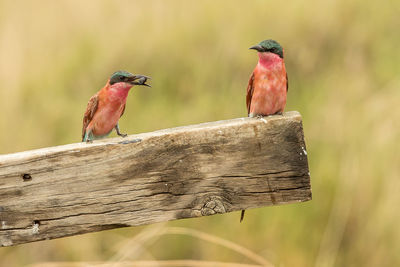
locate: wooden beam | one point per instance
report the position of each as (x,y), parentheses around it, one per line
(171,174)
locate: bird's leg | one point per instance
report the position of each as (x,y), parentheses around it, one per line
(118,132)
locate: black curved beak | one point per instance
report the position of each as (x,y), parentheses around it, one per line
(139,80)
(258,47)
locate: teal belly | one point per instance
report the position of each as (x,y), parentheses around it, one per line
(91,136)
(101,136)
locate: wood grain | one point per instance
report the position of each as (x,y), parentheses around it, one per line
(177,173)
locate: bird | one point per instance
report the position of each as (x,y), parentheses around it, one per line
(105,108)
(268,84)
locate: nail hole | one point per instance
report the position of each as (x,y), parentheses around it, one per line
(36,222)
(26,177)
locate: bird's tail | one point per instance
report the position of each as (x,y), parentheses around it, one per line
(242,216)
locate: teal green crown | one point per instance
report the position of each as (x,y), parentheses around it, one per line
(269,45)
(120,76)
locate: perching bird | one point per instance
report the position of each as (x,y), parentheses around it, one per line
(108,105)
(268,84)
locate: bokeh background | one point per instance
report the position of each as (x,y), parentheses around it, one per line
(343,61)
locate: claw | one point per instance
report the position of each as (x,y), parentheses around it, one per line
(118,132)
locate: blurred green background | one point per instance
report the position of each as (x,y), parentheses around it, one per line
(343,63)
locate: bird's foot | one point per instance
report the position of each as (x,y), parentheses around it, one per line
(279,113)
(89,141)
(122,135)
(261,118)
(118,132)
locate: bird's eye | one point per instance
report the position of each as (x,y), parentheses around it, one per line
(122,78)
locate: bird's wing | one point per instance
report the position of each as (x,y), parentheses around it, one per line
(123,110)
(287,83)
(249,95)
(89,113)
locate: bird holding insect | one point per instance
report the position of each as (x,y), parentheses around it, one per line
(107,106)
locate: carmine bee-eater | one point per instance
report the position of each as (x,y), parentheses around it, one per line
(268,84)
(108,105)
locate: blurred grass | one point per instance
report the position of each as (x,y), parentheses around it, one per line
(343,63)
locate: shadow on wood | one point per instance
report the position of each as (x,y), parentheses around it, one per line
(177,173)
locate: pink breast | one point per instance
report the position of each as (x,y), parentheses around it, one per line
(269,93)
(107,114)
(105,120)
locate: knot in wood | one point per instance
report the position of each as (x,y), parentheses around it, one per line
(212,206)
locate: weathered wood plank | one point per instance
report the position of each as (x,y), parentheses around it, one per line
(165,175)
